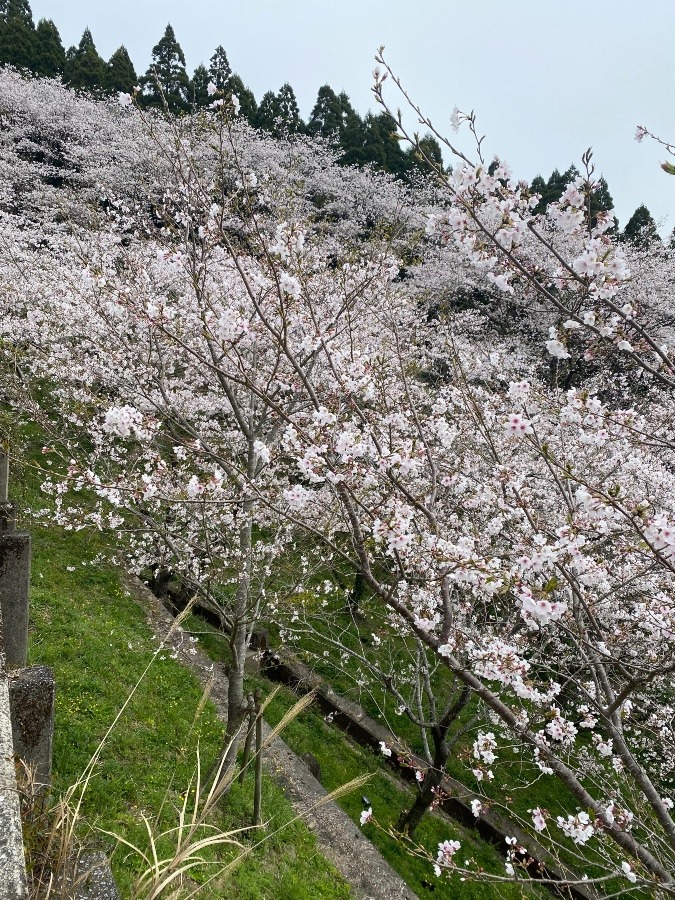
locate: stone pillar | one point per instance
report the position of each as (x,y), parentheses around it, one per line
(31,700)
(14,575)
(4,475)
(14,582)
(12,860)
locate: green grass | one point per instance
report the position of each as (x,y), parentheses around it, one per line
(98,642)
(341,759)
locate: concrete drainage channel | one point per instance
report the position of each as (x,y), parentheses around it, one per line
(284,667)
(339,839)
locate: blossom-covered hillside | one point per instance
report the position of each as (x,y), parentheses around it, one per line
(246,354)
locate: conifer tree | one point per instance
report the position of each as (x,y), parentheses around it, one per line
(429,148)
(200,87)
(247,101)
(267,112)
(279,113)
(17,34)
(326,120)
(288,111)
(121,75)
(166,80)
(353,133)
(381,145)
(220,71)
(601,201)
(640,229)
(554,188)
(84,67)
(49,58)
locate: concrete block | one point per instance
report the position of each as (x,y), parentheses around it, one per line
(98,882)
(31,699)
(14,583)
(12,860)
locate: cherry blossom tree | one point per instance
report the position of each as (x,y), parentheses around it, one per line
(236,364)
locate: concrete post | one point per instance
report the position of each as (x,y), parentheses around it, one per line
(4,475)
(13,885)
(31,700)
(14,575)
(14,582)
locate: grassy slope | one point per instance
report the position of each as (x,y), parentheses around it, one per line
(98,642)
(341,759)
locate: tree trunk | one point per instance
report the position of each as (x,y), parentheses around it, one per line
(408,821)
(238,643)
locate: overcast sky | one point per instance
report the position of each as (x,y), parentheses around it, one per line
(547,78)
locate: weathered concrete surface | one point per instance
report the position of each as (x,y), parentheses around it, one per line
(12,861)
(31,698)
(14,583)
(492,826)
(97,879)
(7,517)
(340,840)
(4,475)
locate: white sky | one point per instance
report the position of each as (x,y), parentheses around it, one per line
(547,78)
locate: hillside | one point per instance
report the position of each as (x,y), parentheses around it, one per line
(420,429)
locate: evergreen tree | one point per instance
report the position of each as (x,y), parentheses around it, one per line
(200,87)
(326,120)
(50,57)
(248,108)
(601,201)
(382,147)
(429,148)
(220,71)
(640,229)
(553,189)
(166,80)
(17,34)
(288,111)
(279,113)
(84,67)
(267,112)
(353,133)
(121,75)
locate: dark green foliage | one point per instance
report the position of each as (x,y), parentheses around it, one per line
(601,201)
(220,71)
(429,148)
(266,113)
(640,228)
(49,58)
(200,87)
(84,67)
(327,118)
(279,113)
(248,105)
(288,110)
(382,147)
(121,75)
(353,135)
(166,82)
(17,34)
(553,189)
